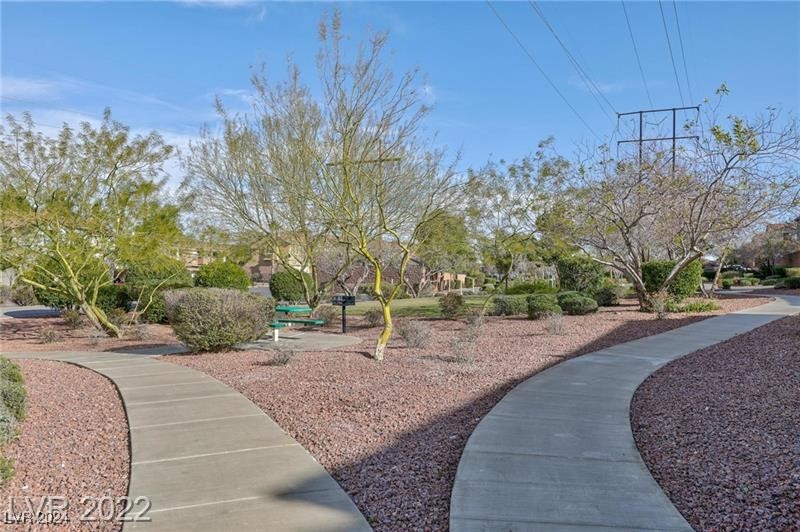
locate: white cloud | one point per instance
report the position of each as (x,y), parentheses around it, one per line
(19,88)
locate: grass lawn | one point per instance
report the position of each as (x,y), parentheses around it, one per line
(421,307)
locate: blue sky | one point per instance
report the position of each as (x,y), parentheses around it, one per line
(159,65)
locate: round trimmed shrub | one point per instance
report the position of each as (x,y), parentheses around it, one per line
(285,286)
(609,295)
(452,305)
(212,319)
(222,274)
(576,304)
(542,305)
(792,283)
(510,305)
(683,285)
(112,296)
(580,273)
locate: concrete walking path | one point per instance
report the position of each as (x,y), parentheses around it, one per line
(557,452)
(208,458)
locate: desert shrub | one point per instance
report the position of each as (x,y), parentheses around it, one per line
(8,428)
(610,294)
(73,318)
(474,317)
(577,304)
(212,319)
(285,286)
(528,287)
(414,333)
(13,396)
(452,305)
(146,286)
(138,332)
(682,286)
(580,273)
(727,284)
(373,318)
(792,283)
(555,324)
(111,297)
(5,293)
(770,282)
(48,335)
(510,305)
(658,304)
(9,371)
(542,305)
(23,295)
(327,313)
(696,305)
(464,345)
(222,274)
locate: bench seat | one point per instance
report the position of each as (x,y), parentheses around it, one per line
(302,321)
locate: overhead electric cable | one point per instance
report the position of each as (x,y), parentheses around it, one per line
(636,52)
(541,70)
(671,55)
(683,52)
(587,80)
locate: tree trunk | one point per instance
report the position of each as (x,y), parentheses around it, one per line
(100,321)
(386,333)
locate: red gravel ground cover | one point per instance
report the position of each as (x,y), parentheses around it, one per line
(24,334)
(392,433)
(720,431)
(73,442)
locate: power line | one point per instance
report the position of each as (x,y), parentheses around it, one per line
(671,55)
(587,80)
(683,53)
(541,70)
(636,52)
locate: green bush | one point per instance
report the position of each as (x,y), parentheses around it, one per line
(510,305)
(792,283)
(697,305)
(23,295)
(9,371)
(772,281)
(222,274)
(286,287)
(528,287)
(727,284)
(580,273)
(730,274)
(683,285)
(112,296)
(452,305)
(542,305)
(610,294)
(144,282)
(709,274)
(213,319)
(576,304)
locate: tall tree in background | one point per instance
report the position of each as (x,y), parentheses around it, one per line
(78,208)
(740,174)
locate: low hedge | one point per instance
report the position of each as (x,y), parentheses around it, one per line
(609,295)
(542,305)
(510,305)
(576,304)
(213,319)
(222,274)
(792,283)
(528,287)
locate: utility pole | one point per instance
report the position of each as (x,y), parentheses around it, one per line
(674,137)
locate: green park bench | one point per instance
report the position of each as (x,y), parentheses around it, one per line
(276,326)
(301,321)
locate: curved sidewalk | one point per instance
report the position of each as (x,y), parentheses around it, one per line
(208,458)
(557,452)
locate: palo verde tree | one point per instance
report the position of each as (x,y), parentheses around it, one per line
(255,179)
(382,182)
(739,174)
(80,207)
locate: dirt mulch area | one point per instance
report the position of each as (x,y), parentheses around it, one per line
(25,334)
(392,433)
(719,431)
(73,443)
